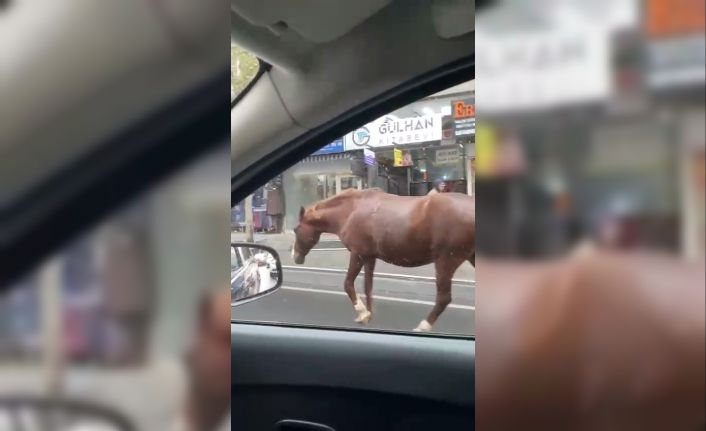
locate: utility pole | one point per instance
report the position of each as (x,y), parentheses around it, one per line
(249,228)
(52,328)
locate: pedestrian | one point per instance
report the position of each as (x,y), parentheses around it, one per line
(275,205)
(440,186)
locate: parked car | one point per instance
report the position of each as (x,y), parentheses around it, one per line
(268,260)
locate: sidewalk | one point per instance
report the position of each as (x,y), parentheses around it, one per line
(338,259)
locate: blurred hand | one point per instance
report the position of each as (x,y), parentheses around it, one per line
(596,341)
(208,400)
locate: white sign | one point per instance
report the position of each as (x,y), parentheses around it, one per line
(390,131)
(677,61)
(524,71)
(447,157)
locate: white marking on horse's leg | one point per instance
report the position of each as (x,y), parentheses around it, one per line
(364,317)
(359,306)
(424,326)
(363,313)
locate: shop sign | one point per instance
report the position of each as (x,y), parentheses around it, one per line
(397,154)
(447,157)
(628,147)
(677,61)
(332,148)
(486,151)
(676,32)
(402,158)
(448,127)
(464,113)
(360,137)
(544,69)
(369,157)
(465,108)
(669,18)
(390,131)
(466,127)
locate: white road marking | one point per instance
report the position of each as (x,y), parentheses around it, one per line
(329,249)
(378,274)
(382,298)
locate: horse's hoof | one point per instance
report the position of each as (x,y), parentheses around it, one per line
(364,317)
(424,326)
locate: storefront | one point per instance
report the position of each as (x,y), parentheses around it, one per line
(462,122)
(261,222)
(414,170)
(676,76)
(540,109)
(325,173)
(412,153)
(403,153)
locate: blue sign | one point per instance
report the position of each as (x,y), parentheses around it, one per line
(332,148)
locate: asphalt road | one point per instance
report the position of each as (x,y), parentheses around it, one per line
(316,298)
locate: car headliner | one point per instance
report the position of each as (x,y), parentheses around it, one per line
(86,70)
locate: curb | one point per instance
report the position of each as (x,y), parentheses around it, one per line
(377,274)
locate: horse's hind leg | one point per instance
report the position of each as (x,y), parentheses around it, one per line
(354,267)
(445,269)
(369,272)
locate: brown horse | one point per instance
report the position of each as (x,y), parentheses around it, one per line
(401,230)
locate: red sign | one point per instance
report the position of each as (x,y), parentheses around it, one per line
(462,109)
(664,18)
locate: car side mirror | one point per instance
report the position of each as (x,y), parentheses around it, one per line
(255,271)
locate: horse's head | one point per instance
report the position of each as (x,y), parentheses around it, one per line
(307,235)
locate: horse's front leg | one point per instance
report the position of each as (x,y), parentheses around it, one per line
(354,267)
(445,270)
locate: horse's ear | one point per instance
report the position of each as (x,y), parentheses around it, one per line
(301,213)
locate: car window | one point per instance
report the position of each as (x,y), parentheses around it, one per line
(385,172)
(243,69)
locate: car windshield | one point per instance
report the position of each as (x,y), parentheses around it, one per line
(402,158)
